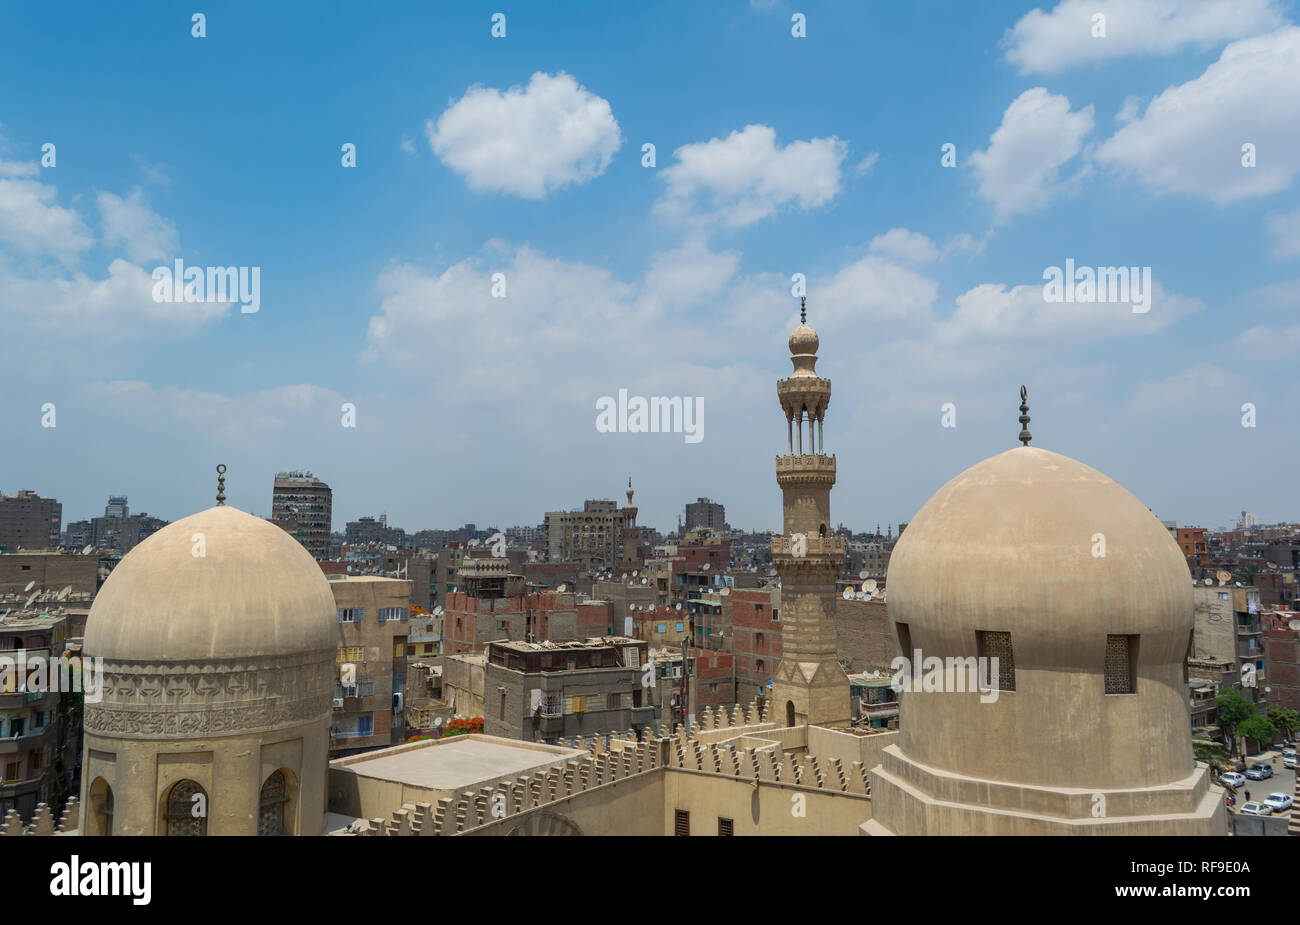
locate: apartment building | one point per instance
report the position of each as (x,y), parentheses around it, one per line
(373,615)
(29,521)
(551,692)
(1228,629)
(38,749)
(301,504)
(592,537)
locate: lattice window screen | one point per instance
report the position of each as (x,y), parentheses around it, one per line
(1119,665)
(998,645)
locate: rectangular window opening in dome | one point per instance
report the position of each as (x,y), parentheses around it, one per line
(992,644)
(1121,664)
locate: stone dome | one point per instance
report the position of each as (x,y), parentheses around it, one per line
(254,592)
(803,340)
(1009,545)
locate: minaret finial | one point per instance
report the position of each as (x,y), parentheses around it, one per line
(221,483)
(1025,435)
(803,309)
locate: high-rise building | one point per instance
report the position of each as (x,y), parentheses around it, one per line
(29,521)
(591,537)
(809,686)
(301,504)
(117,507)
(705,513)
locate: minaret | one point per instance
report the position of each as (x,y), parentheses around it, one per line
(631,535)
(809,686)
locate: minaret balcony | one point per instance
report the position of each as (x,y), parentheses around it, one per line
(788,546)
(805,468)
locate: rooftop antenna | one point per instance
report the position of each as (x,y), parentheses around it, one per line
(1025,435)
(221,483)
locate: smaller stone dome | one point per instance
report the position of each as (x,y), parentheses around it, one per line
(803,340)
(219,584)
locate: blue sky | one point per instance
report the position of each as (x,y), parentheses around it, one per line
(775,155)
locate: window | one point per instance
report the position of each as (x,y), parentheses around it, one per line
(579,704)
(365,725)
(1121,664)
(365,687)
(399,647)
(904,639)
(270,818)
(681,822)
(11,771)
(392,613)
(187,809)
(991,645)
(613,701)
(352,614)
(726,827)
(351,654)
(34,761)
(662,628)
(680,626)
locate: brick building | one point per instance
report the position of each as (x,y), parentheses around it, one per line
(29,521)
(373,617)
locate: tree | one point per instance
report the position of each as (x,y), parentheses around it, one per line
(1257,728)
(1233,708)
(1284,720)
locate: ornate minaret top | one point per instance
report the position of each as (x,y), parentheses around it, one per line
(805,395)
(221,483)
(1025,435)
(629,491)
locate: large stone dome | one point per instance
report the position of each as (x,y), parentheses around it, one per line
(1049,549)
(255,591)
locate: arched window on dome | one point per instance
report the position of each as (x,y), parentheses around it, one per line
(271,805)
(990,645)
(187,809)
(99,820)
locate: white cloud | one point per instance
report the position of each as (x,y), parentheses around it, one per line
(1199,387)
(738,180)
(1038,135)
(1285,228)
(874,288)
(144,234)
(1189,140)
(992,312)
(31,223)
(527,141)
(1049,43)
(867,163)
(119,306)
(911,246)
(1264,343)
(407,145)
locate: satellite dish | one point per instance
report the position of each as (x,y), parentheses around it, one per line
(1270,564)
(726,591)
(1238,584)
(35,595)
(1210,581)
(642,581)
(88,550)
(679,606)
(848,594)
(863,573)
(1294,624)
(63,595)
(30,585)
(625,576)
(562,588)
(437,721)
(634,573)
(870,585)
(704,567)
(1223,576)
(876,673)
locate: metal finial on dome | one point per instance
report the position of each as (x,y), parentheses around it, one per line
(803,309)
(221,483)
(1025,435)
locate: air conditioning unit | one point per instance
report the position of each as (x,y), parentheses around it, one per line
(397,702)
(338,703)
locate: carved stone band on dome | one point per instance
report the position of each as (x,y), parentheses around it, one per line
(235,719)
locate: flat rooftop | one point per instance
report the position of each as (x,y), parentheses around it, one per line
(457,763)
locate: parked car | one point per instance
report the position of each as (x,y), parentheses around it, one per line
(1289,760)
(1279,801)
(1259,771)
(1232,779)
(1254,808)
